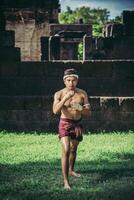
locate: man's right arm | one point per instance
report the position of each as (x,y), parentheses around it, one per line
(59,103)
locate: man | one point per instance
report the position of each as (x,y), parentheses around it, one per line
(73,104)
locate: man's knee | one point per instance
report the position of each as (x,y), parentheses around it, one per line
(73,149)
(66,151)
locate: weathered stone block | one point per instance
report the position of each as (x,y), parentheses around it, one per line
(2,20)
(126,116)
(9,69)
(48,115)
(126,104)
(125,126)
(9,54)
(96,116)
(122,48)
(31,69)
(100,43)
(95,103)
(24,86)
(96,69)
(123,87)
(31,116)
(25,126)
(26,103)
(4,86)
(32,103)
(123,69)
(3,115)
(25,116)
(51,85)
(55,28)
(109,103)
(47,102)
(11,103)
(44,48)
(91,126)
(54,48)
(13,115)
(97,87)
(109,109)
(28,86)
(87,47)
(128,17)
(7,38)
(108,43)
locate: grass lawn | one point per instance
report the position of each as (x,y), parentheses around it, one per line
(30,167)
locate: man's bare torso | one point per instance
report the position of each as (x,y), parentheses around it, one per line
(68,111)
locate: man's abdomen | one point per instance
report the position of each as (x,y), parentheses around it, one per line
(70,114)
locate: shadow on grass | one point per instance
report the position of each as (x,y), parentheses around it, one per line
(42,180)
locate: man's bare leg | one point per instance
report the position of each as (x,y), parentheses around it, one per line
(65,160)
(72,157)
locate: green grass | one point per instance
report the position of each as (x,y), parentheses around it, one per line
(30,167)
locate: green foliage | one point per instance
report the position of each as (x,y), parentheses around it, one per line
(117,19)
(80,51)
(96,17)
(97,30)
(30,167)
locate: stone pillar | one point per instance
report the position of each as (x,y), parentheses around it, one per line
(7,42)
(2,20)
(100,43)
(87,47)
(54,48)
(128,20)
(44,48)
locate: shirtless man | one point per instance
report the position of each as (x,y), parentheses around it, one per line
(73,104)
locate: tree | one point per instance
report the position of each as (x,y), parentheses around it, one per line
(117,19)
(97,17)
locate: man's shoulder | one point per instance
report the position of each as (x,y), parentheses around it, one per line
(59,92)
(81,91)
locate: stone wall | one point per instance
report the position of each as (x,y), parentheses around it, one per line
(119,47)
(30,21)
(27,88)
(108,48)
(27,38)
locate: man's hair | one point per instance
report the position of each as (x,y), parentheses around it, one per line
(70,72)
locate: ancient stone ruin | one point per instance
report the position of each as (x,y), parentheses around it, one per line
(40,37)
(30,21)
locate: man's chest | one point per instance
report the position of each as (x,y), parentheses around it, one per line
(77,98)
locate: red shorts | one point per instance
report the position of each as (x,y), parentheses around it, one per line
(71,128)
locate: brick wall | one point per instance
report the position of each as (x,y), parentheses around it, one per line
(27,88)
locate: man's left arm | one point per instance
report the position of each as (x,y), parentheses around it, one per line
(86,106)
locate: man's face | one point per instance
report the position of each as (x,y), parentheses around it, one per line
(71,82)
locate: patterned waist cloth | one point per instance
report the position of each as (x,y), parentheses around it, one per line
(71,128)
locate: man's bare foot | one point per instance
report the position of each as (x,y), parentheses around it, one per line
(72,173)
(66,185)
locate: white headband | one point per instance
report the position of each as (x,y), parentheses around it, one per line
(74,75)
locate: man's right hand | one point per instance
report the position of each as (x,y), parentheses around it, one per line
(68,95)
